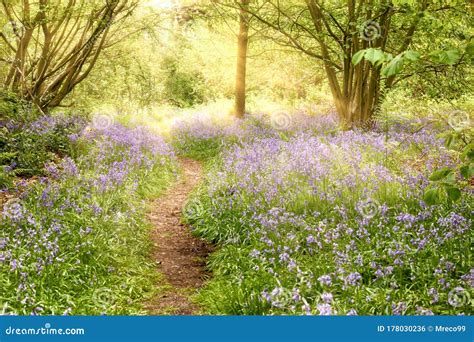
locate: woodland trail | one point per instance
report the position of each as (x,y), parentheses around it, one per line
(180,257)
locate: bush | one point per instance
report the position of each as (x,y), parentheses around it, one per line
(182,88)
(29,141)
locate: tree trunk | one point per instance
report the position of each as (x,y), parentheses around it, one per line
(358,103)
(356,93)
(242,46)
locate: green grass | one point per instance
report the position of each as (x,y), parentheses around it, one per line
(198,149)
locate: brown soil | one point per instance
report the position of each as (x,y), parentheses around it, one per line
(5,196)
(180,257)
(3,199)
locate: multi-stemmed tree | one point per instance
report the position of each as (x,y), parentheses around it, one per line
(364,45)
(50,46)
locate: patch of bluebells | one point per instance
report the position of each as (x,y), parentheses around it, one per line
(334,224)
(61,236)
(191,133)
(48,124)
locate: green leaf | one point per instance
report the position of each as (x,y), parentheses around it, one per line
(284,137)
(449,57)
(453,193)
(431,196)
(393,67)
(449,142)
(468,152)
(467,171)
(440,174)
(411,56)
(470,155)
(450,178)
(358,57)
(374,55)
(452,56)
(470,49)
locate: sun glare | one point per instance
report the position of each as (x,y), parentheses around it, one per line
(162,3)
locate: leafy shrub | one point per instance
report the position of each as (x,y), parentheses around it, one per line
(182,88)
(28,141)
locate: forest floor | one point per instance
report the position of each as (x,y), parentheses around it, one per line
(180,256)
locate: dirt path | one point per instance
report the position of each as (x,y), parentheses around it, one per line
(180,256)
